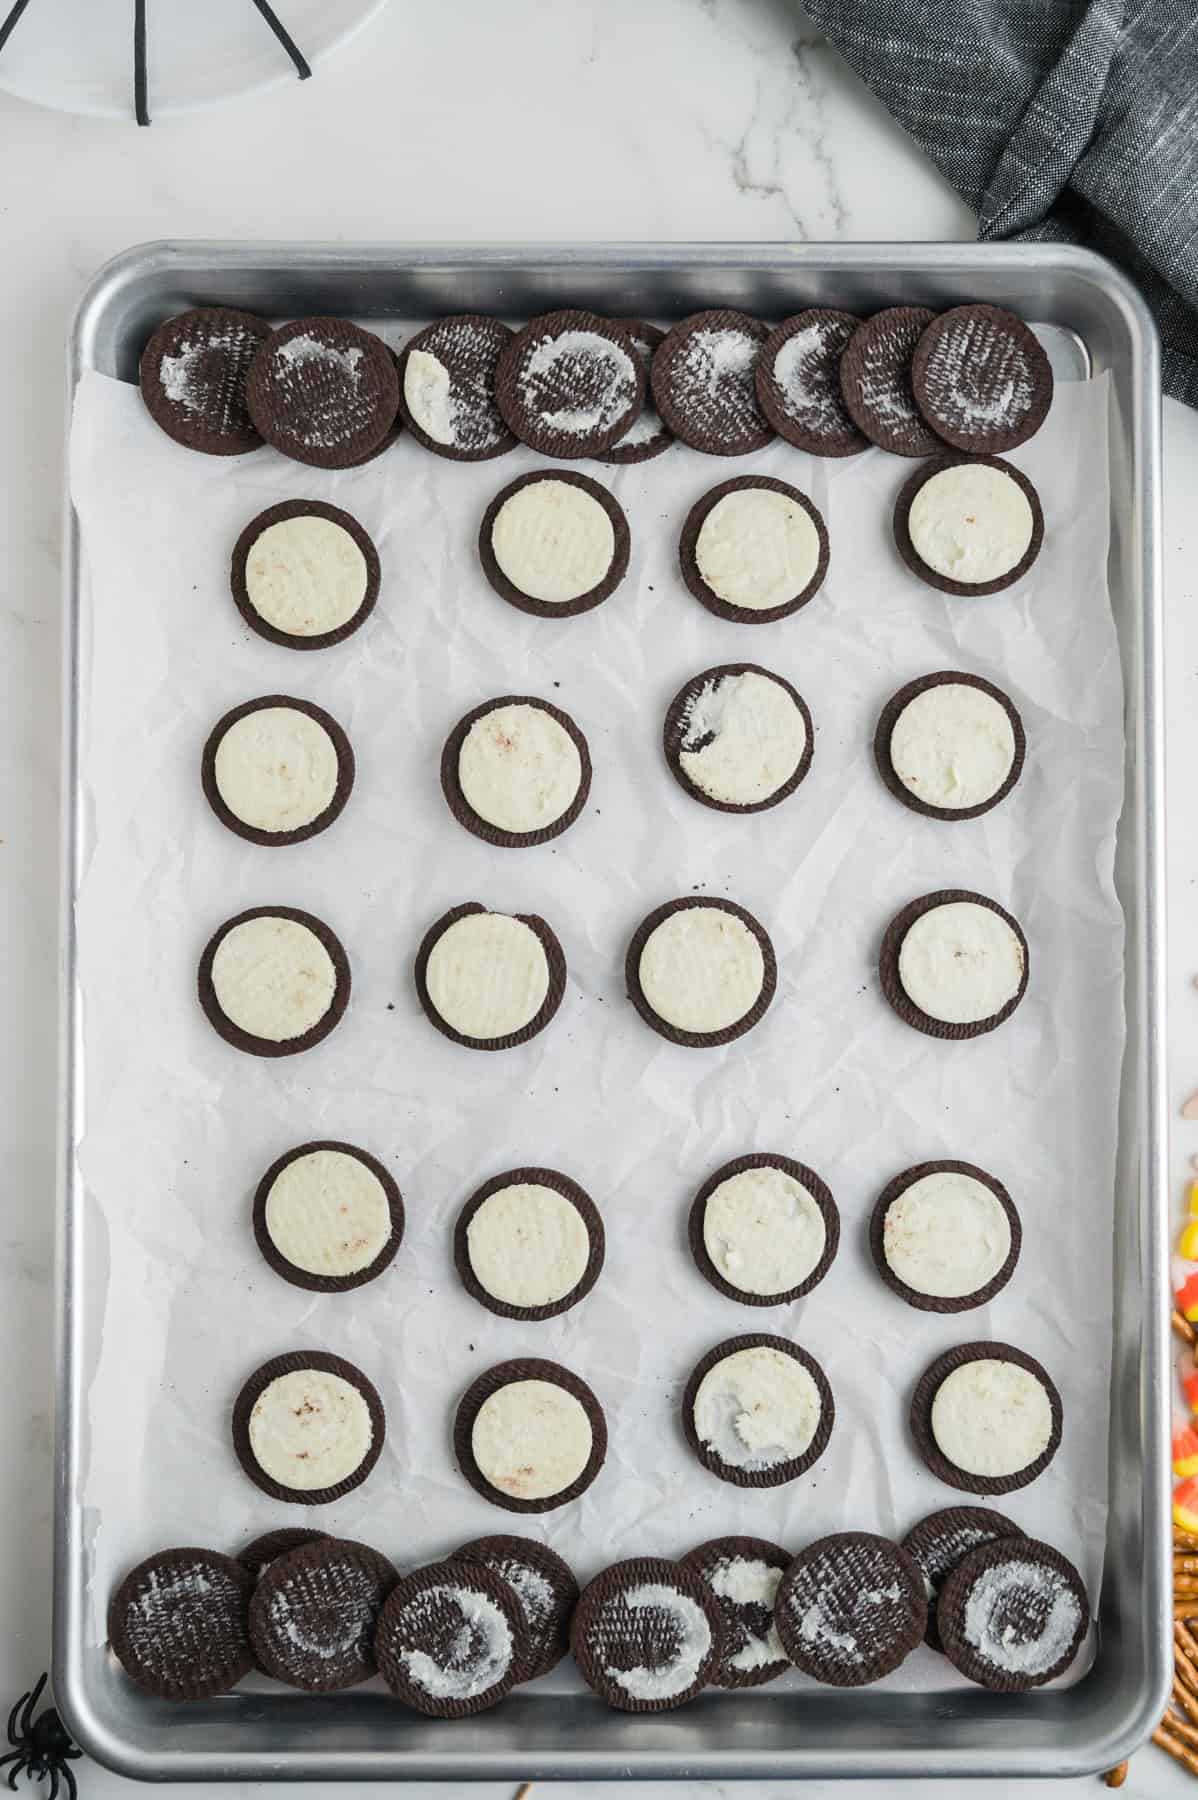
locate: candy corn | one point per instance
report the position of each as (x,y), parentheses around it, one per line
(1187,1243)
(1185,1504)
(1188,1376)
(1187,1297)
(1185,1450)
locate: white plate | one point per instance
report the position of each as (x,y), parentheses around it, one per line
(77,55)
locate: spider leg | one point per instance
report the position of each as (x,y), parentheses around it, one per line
(31,1700)
(53,1773)
(10,23)
(13,1734)
(288,42)
(13,1756)
(68,1777)
(18,1768)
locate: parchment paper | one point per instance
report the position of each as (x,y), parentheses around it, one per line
(179,1126)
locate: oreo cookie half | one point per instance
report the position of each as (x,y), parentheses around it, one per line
(305,575)
(314,1613)
(703,381)
(277,770)
(529,1244)
(950,745)
(647,1635)
(554,543)
(942,1541)
(738,738)
(969,525)
(981,379)
(178,1624)
(447,387)
(875,381)
(451,1639)
(764,1230)
(489,980)
(274,981)
(986,1418)
(261,1551)
(758,1411)
(743,1574)
(308,1427)
(570,383)
(1013,1615)
(851,1608)
(753,550)
(529,1435)
(193,373)
(700,972)
(945,1236)
(544,1585)
(647,436)
(516,771)
(798,382)
(954,964)
(323,391)
(328,1217)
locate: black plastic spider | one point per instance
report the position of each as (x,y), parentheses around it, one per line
(41,1746)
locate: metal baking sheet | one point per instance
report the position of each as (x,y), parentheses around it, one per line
(1092,320)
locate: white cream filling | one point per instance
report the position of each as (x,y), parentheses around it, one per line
(757,1408)
(960,963)
(757,549)
(482,1649)
(276,769)
(309,1429)
(487,975)
(327,1213)
(528,1245)
(991,1417)
(747,1581)
(763,1231)
(693,1634)
(305,576)
(953,745)
(531,1439)
(518,768)
(273,978)
(993,1637)
(971,523)
(426,384)
(758,737)
(553,541)
(701,969)
(947,1235)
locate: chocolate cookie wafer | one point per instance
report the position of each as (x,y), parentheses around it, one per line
(954,964)
(647,1635)
(648,435)
(314,1613)
(1013,1615)
(753,550)
(323,391)
(277,770)
(529,1435)
(875,381)
(570,383)
(743,1573)
(851,1608)
(986,1418)
(489,980)
(757,1411)
(451,1639)
(178,1624)
(969,525)
(305,575)
(308,1427)
(764,1229)
(945,1236)
(554,543)
(328,1217)
(391,435)
(529,1244)
(738,738)
(516,771)
(981,379)
(447,387)
(544,1585)
(193,374)
(700,972)
(950,745)
(942,1541)
(798,382)
(703,381)
(274,981)
(261,1551)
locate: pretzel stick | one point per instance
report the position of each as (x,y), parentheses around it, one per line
(1187,1674)
(1185,1637)
(1181,1728)
(1185,1562)
(1184,1330)
(1117,1776)
(1176,1748)
(1185,1702)
(1184,1540)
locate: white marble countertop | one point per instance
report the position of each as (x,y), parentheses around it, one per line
(635,119)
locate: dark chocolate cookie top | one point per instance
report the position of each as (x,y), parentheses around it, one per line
(447,387)
(875,381)
(178,1623)
(944,1539)
(743,1573)
(981,379)
(570,383)
(451,1640)
(648,435)
(704,382)
(798,382)
(647,1634)
(544,1585)
(314,1611)
(1013,1614)
(851,1608)
(323,391)
(193,375)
